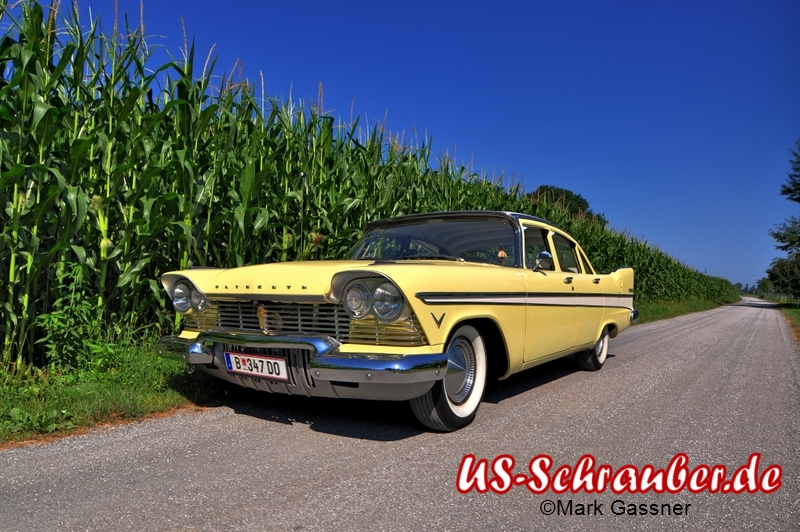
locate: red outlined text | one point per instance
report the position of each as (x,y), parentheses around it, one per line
(588,476)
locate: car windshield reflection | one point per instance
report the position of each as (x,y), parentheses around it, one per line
(482,240)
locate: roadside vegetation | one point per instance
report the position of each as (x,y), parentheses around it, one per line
(789,307)
(792,314)
(661,310)
(114,170)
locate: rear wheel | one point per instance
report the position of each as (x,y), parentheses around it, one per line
(453,401)
(593,358)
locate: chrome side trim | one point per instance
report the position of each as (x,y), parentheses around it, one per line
(461,298)
(566,299)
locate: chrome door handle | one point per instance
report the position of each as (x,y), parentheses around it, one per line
(596,280)
(568,280)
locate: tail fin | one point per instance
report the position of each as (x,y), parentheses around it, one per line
(623,278)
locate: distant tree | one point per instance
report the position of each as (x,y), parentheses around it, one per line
(787,234)
(765,285)
(784,274)
(738,286)
(746,289)
(575,203)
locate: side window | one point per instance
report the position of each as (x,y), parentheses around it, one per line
(566,254)
(536,241)
(587,268)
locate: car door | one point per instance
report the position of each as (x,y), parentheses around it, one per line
(550,299)
(588,292)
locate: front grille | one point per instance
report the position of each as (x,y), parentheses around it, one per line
(322,319)
(327,319)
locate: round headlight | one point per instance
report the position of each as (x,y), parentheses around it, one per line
(357,301)
(199,300)
(387,302)
(182,297)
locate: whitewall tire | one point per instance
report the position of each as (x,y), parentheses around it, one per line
(593,358)
(453,401)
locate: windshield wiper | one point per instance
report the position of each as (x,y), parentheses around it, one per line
(434,257)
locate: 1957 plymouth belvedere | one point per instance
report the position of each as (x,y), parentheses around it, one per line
(426,308)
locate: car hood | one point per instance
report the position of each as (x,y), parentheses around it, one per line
(314,280)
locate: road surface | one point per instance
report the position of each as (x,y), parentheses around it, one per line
(718,386)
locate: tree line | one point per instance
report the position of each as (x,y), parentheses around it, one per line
(783,275)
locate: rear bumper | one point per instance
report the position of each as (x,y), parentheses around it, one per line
(321,370)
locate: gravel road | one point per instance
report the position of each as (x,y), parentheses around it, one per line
(718,386)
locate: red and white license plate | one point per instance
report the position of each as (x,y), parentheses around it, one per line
(270,368)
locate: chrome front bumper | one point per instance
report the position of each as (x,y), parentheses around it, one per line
(327,372)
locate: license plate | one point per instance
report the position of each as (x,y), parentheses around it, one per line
(270,368)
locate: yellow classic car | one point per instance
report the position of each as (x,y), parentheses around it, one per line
(426,308)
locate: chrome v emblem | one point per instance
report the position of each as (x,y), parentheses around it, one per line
(438,321)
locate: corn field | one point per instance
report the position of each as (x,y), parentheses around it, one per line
(114,171)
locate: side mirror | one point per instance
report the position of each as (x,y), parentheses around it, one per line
(541,257)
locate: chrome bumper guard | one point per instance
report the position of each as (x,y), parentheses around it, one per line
(634,316)
(328,363)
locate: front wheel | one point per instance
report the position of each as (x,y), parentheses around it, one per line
(593,358)
(453,401)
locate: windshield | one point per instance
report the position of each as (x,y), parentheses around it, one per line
(484,240)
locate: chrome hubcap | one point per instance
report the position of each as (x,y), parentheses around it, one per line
(460,370)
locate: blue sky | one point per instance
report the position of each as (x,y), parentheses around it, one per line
(674,119)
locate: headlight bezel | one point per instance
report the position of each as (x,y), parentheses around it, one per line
(365,293)
(200,301)
(390,290)
(186,297)
(181,296)
(369,291)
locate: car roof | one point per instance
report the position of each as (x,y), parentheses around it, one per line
(514,216)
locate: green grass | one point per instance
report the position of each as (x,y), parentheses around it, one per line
(792,314)
(45,401)
(661,310)
(791,311)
